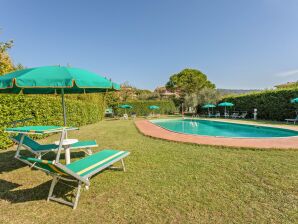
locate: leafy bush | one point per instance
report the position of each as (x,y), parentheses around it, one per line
(271,104)
(46,110)
(141,108)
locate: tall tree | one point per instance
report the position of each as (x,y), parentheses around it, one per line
(204,96)
(6,64)
(189,81)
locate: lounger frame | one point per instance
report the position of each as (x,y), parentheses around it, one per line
(80,180)
(41,153)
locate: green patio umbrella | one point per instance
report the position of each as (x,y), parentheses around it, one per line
(153,107)
(208,106)
(125,106)
(294,100)
(226,104)
(55,80)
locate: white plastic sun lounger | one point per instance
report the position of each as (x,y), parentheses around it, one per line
(292,120)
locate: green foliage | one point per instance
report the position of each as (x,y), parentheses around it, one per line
(189,81)
(287,85)
(112,98)
(271,104)
(204,96)
(141,107)
(47,110)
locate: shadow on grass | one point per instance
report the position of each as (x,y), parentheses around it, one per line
(39,192)
(8,189)
(9,163)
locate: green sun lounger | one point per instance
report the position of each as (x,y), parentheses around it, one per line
(79,171)
(40,149)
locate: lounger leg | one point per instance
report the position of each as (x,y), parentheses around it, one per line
(123,166)
(62,137)
(19,146)
(54,182)
(77,195)
(67,155)
(89,151)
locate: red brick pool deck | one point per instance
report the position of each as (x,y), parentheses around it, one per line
(149,129)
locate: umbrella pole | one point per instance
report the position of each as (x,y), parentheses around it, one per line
(63,106)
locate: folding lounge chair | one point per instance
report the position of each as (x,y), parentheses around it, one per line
(235,115)
(79,171)
(217,114)
(292,120)
(243,115)
(39,150)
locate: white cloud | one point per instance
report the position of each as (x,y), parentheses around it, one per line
(288,73)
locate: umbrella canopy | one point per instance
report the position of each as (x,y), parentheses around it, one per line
(55,79)
(294,100)
(208,106)
(125,106)
(226,104)
(153,107)
(52,79)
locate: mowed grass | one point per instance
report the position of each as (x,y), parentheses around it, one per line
(165,182)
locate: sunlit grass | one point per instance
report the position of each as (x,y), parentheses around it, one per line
(165,182)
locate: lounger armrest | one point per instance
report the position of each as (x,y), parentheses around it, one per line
(84,144)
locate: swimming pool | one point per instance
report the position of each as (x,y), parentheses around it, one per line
(223,129)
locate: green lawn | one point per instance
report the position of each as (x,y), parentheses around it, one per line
(165,182)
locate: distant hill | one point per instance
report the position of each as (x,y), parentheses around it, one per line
(236,91)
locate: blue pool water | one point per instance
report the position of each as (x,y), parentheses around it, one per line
(223,129)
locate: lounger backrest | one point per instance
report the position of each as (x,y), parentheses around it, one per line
(52,167)
(34,146)
(244,114)
(45,165)
(29,142)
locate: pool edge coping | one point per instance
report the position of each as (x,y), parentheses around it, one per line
(151,130)
(269,126)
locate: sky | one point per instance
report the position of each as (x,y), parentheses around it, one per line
(238,44)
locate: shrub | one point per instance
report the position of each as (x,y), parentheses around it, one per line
(46,110)
(141,108)
(271,104)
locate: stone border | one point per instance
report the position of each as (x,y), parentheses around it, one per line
(149,129)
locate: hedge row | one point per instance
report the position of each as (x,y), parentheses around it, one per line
(46,110)
(271,104)
(141,108)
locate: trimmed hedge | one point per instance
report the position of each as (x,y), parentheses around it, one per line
(271,104)
(141,107)
(46,110)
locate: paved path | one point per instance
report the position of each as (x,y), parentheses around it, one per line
(149,129)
